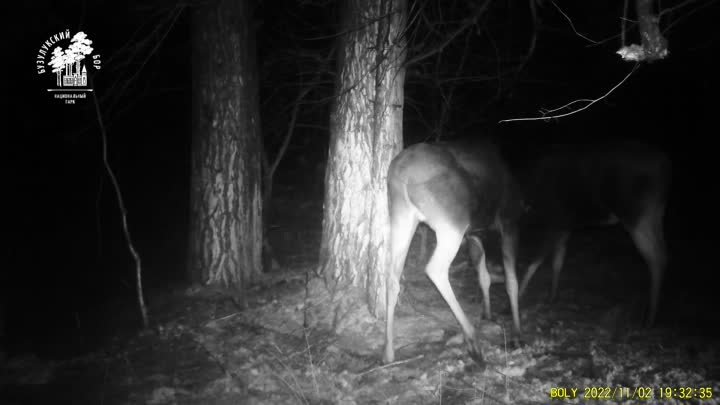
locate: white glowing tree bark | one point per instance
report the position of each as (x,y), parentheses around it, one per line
(366,133)
(226,193)
(653,44)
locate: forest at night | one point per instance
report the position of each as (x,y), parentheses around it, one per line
(204,206)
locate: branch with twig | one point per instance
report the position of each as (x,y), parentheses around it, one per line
(123,212)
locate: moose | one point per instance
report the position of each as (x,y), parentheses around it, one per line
(461,188)
(456,188)
(597,184)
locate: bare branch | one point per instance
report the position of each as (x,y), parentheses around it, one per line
(465,25)
(688,14)
(289,133)
(572,25)
(589,101)
(123,214)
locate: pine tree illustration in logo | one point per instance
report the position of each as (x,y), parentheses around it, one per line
(67,63)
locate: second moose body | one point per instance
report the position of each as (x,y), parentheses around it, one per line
(455,188)
(607,183)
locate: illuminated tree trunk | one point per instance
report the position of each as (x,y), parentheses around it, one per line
(653,42)
(365,134)
(226,190)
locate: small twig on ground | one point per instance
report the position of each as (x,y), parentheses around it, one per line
(505,378)
(297,392)
(310,359)
(394,363)
(222,318)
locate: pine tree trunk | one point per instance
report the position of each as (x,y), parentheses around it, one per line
(365,134)
(226,184)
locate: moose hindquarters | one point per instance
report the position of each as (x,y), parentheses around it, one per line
(452,187)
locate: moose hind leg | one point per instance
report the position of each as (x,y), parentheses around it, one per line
(532,268)
(448,243)
(559,251)
(509,250)
(402,228)
(649,240)
(479,260)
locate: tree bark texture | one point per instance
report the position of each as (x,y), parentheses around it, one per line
(365,134)
(226,185)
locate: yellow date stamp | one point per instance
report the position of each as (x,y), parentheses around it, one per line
(619,393)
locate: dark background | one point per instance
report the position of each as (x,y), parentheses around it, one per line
(67,280)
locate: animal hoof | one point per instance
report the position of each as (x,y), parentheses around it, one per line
(388,356)
(475,353)
(516,342)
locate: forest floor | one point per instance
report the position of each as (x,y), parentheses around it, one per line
(587,346)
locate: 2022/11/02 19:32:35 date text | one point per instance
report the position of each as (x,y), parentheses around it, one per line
(604,393)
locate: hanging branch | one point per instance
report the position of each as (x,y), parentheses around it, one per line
(270,168)
(288,136)
(123,212)
(588,102)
